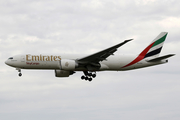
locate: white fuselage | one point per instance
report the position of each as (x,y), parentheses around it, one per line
(113,63)
(104,60)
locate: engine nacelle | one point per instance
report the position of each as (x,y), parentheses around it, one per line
(66,64)
(62,73)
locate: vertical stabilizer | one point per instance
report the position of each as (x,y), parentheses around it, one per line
(154,49)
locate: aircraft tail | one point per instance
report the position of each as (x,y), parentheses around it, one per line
(154,49)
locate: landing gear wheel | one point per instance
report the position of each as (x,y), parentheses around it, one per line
(90,79)
(89,74)
(20,74)
(93,75)
(82,77)
(86,78)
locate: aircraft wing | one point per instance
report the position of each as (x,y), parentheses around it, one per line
(102,55)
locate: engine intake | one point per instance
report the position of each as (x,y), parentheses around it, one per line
(63,73)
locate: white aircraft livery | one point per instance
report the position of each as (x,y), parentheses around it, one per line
(66,65)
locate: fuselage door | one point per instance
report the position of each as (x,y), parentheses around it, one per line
(22,59)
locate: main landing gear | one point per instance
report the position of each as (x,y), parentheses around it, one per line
(88,76)
(19,70)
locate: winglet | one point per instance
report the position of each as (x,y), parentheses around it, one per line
(120,44)
(128,40)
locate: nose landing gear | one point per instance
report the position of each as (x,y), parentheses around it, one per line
(88,76)
(20,74)
(19,70)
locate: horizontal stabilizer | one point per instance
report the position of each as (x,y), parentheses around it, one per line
(161,58)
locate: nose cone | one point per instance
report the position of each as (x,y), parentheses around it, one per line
(6,62)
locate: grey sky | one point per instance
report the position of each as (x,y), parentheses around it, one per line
(85,27)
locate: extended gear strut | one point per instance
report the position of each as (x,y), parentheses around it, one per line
(19,70)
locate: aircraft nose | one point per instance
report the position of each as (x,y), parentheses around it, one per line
(6,62)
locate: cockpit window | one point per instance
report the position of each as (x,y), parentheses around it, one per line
(11,58)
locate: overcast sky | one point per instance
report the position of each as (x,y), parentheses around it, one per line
(85,27)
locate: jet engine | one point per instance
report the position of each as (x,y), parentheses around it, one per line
(68,65)
(63,73)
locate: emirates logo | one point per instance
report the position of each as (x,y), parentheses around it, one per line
(66,64)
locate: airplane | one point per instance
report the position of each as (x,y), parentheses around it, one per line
(105,60)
